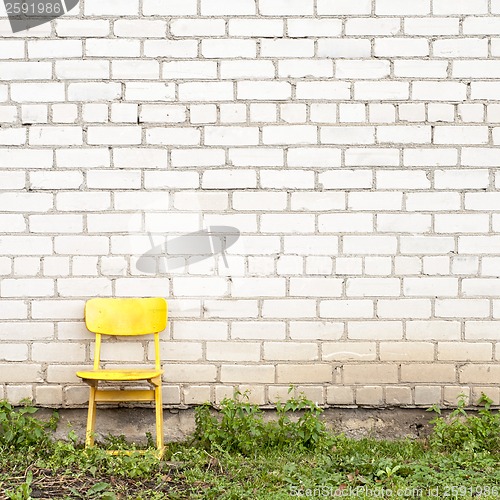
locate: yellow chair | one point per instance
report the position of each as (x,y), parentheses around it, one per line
(125,317)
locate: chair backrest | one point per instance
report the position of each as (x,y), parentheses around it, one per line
(126,317)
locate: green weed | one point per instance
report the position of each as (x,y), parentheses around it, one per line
(462,431)
(239,426)
(20,430)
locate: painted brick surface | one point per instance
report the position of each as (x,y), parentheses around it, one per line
(354,145)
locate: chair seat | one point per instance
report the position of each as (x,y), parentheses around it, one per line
(119,375)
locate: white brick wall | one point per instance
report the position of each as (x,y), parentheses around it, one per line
(354,145)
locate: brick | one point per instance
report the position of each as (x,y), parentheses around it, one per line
(226,48)
(427,373)
(290,351)
(290,308)
(153,91)
(114,7)
(265,287)
(95,47)
(398,396)
(349,351)
(447,7)
(403,223)
(314,27)
(452,394)
(38,49)
(351,308)
(473,25)
(289,134)
(340,395)
(369,287)
(189,372)
(352,48)
(404,351)
(173,8)
(25,71)
(114,135)
(64,136)
(261,330)
(12,137)
(433,330)
(246,69)
(395,8)
(323,90)
(404,308)
(17,393)
(375,373)
(30,373)
(372,26)
(431,26)
(427,395)
(430,286)
(197,395)
(438,91)
(347,135)
(452,179)
(401,47)
(478,373)
(75,69)
(12,49)
(37,92)
(256,27)
(469,308)
(468,47)
(76,287)
(83,158)
(464,351)
(92,90)
(387,91)
(461,135)
(315,202)
(25,202)
(344,7)
(62,352)
(286,7)
(231,308)
(369,395)
(285,47)
(315,287)
(362,69)
(14,352)
(247,373)
(81,27)
(371,157)
(173,136)
(375,330)
(49,395)
(123,69)
(143,28)
(255,90)
(307,373)
(440,157)
(266,201)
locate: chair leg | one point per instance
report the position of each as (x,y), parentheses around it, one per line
(159,416)
(89,438)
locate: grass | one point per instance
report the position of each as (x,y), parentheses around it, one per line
(235,454)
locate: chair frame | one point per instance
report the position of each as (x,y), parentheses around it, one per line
(153,377)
